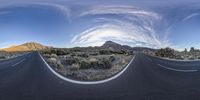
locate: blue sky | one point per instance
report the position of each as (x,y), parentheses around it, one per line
(69,23)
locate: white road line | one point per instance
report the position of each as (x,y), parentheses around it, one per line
(185,65)
(169,59)
(18,62)
(179,70)
(86,82)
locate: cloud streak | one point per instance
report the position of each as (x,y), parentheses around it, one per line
(190,16)
(126,10)
(65,11)
(129,25)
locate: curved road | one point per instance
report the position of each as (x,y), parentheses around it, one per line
(146,78)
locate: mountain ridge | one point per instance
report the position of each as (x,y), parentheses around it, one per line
(29,46)
(34,46)
(116,46)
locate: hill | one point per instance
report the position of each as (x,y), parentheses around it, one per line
(30,46)
(115,46)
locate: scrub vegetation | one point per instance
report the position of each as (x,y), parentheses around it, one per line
(8,55)
(89,63)
(192,54)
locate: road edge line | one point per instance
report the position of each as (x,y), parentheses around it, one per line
(178,70)
(176,60)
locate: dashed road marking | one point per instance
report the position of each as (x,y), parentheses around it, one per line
(18,62)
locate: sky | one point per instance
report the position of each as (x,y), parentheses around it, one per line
(71,23)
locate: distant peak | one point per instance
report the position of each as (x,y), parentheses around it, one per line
(114,46)
(110,42)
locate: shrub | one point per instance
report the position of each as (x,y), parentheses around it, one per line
(93,62)
(92,59)
(76,49)
(120,52)
(47,52)
(83,55)
(2,57)
(61,52)
(71,60)
(75,67)
(166,52)
(73,55)
(94,53)
(53,60)
(96,64)
(104,64)
(54,55)
(103,52)
(56,63)
(85,65)
(112,58)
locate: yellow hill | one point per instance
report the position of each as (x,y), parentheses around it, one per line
(30,46)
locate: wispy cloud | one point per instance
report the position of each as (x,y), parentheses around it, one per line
(60,8)
(190,16)
(4,12)
(63,9)
(127,10)
(131,25)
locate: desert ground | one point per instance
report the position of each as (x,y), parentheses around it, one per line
(8,55)
(87,64)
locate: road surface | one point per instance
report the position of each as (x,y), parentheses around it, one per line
(146,78)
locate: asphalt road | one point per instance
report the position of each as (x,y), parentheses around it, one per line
(146,78)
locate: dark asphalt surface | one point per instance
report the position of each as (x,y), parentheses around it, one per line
(28,78)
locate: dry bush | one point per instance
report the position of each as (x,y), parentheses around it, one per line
(75,67)
(55,62)
(71,60)
(166,52)
(2,57)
